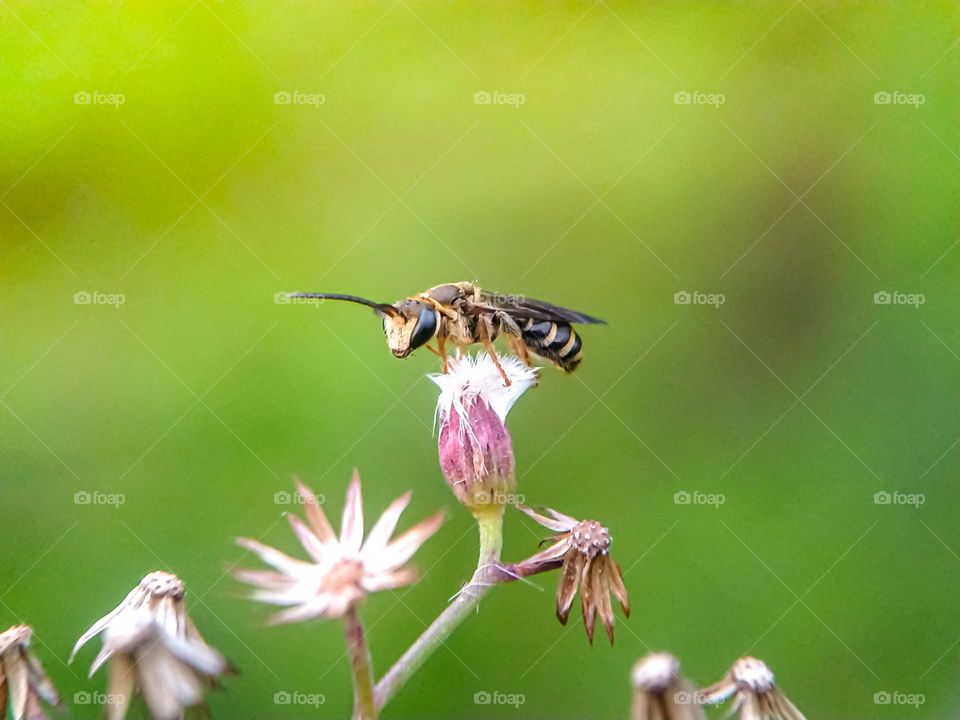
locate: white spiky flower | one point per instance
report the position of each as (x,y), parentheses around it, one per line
(755,694)
(475,449)
(341,570)
(153,645)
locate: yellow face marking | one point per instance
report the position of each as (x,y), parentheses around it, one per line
(398,330)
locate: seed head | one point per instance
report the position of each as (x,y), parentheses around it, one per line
(153,646)
(755,694)
(581,548)
(660,692)
(23,682)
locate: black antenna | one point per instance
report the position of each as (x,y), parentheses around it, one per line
(379,308)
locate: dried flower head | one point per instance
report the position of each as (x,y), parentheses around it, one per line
(660,692)
(23,683)
(153,645)
(341,571)
(476,453)
(582,549)
(756,696)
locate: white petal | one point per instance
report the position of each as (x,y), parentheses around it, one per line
(265,579)
(311,543)
(302,612)
(100,624)
(389,580)
(561,524)
(351,529)
(196,653)
(272,556)
(168,685)
(468,377)
(120,687)
(293,596)
(315,515)
(403,548)
(17,682)
(380,533)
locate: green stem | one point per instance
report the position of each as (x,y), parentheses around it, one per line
(364,707)
(490,524)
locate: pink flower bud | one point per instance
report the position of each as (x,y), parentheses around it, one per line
(476,453)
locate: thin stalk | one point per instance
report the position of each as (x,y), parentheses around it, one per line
(364,707)
(490,525)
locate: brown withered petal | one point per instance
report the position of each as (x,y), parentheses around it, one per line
(23,682)
(582,550)
(660,692)
(755,694)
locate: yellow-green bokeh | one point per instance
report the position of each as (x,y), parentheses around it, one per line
(199,197)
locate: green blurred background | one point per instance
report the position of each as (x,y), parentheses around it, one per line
(798,197)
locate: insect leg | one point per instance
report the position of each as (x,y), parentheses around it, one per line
(517,346)
(485,331)
(442,353)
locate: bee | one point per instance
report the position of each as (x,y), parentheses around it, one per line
(462,314)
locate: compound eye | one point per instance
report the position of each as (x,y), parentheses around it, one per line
(425,328)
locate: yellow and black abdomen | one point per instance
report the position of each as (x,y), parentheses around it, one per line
(557,342)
